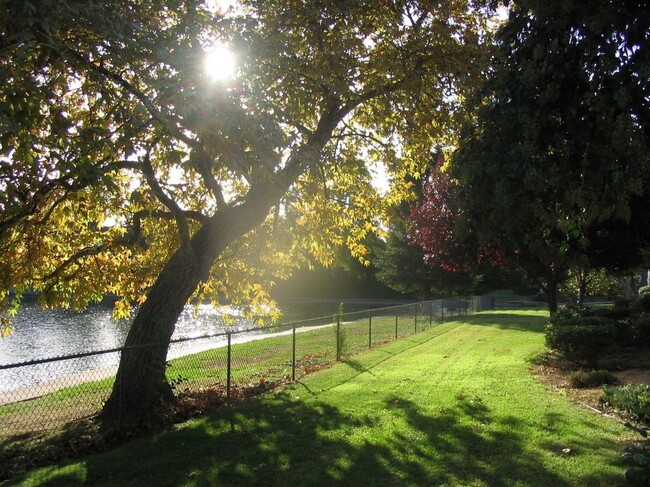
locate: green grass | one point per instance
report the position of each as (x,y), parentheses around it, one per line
(27,425)
(455,405)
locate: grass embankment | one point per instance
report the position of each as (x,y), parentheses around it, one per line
(454,405)
(266,360)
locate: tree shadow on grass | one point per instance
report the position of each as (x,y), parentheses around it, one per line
(357,366)
(472,445)
(508,321)
(282,440)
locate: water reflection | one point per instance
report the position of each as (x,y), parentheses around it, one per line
(42,334)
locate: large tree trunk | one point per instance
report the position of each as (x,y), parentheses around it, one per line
(582,292)
(141,394)
(552,282)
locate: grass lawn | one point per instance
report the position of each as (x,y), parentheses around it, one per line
(453,405)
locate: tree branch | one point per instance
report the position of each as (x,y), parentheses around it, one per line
(166,200)
(70,182)
(132,238)
(74,258)
(156,114)
(202,162)
(362,135)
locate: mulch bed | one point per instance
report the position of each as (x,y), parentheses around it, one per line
(630,366)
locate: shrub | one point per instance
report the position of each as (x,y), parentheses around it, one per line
(641,304)
(630,400)
(583,334)
(581,342)
(633,401)
(638,457)
(584,320)
(622,303)
(611,313)
(568,312)
(643,290)
(640,330)
(591,378)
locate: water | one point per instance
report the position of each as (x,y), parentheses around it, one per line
(40,334)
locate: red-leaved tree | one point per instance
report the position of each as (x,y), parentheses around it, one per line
(433,226)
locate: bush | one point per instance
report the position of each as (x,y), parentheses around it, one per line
(584,320)
(643,290)
(641,304)
(568,312)
(622,303)
(611,313)
(640,330)
(630,400)
(584,334)
(591,378)
(582,342)
(638,457)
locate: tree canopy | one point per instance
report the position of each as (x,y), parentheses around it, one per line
(125,168)
(558,153)
(456,262)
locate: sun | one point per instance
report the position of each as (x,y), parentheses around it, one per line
(219,63)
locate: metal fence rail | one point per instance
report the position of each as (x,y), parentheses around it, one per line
(73,388)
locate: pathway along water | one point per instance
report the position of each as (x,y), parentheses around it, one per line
(42,334)
(35,390)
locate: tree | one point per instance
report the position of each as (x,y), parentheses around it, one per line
(126,169)
(401,265)
(402,261)
(433,220)
(559,147)
(584,281)
(458,263)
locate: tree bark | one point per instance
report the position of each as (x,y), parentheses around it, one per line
(551,291)
(141,395)
(141,392)
(582,292)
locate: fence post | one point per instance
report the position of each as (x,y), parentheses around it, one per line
(228,368)
(442,309)
(338,337)
(293,355)
(119,377)
(369,330)
(396,318)
(415,317)
(430,313)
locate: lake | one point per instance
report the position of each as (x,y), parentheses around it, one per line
(40,334)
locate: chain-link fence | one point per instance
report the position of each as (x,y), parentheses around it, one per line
(42,399)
